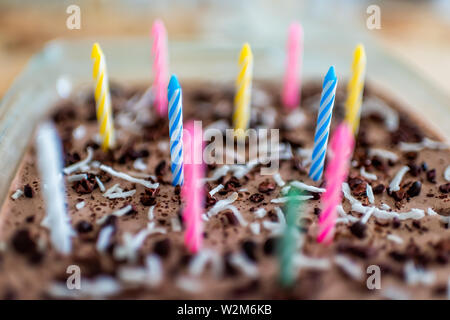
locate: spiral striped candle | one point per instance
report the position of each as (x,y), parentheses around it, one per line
(176,130)
(50,164)
(323,124)
(242,98)
(355,88)
(193,190)
(102,98)
(292,81)
(288,243)
(341,144)
(160,66)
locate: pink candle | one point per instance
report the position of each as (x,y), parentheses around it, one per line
(160,67)
(341,145)
(292,79)
(192,190)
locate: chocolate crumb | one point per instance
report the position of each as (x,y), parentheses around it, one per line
(358,229)
(256,197)
(22,242)
(28,191)
(84,226)
(379,189)
(231,218)
(249,247)
(162,247)
(445,188)
(269,246)
(161,168)
(266,186)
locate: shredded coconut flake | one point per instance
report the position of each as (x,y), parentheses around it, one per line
(349,267)
(201,259)
(416,275)
(395,183)
(188,284)
(221,204)
(16,195)
(139,164)
(216,189)
(154,269)
(425,144)
(295,119)
(100,184)
(77,177)
(74,167)
(367,175)
(151,214)
(302,261)
(218,173)
(104,238)
(176,226)
(79,132)
(285,199)
(245,265)
(369,193)
(279,181)
(126,177)
(121,194)
(431,212)
(260,212)
(394,238)
(80,205)
(385,154)
(447,173)
(395,293)
(303,186)
(99,288)
(367,215)
(255,228)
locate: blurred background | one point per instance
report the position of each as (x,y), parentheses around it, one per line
(417,31)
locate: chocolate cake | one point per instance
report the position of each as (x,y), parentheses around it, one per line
(128,236)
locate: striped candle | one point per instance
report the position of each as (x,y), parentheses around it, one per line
(174,95)
(342,143)
(102,98)
(160,66)
(355,88)
(242,99)
(50,165)
(323,124)
(292,79)
(193,189)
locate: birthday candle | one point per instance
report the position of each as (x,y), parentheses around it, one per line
(160,66)
(176,130)
(50,167)
(341,144)
(289,240)
(323,124)
(355,88)
(241,116)
(192,190)
(292,79)
(102,98)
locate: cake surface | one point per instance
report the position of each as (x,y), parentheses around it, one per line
(238,259)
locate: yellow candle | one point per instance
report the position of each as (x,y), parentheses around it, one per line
(102,98)
(241,116)
(355,88)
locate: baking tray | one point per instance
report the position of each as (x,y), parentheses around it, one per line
(34,92)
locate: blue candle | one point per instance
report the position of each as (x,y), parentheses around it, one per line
(323,124)
(176,130)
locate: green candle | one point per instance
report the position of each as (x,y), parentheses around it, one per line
(288,244)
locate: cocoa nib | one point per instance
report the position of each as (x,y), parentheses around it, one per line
(161,168)
(232,184)
(266,186)
(256,197)
(84,226)
(415,188)
(431,175)
(71,158)
(356,250)
(28,191)
(445,188)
